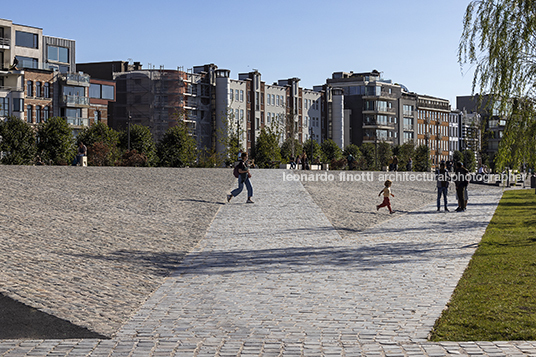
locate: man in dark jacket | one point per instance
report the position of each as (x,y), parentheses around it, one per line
(462,181)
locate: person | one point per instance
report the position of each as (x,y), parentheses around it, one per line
(395,163)
(351,161)
(409,165)
(82,151)
(386,193)
(305,163)
(443,178)
(461,186)
(292,163)
(243,178)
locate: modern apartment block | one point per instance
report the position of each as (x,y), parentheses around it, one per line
(491,122)
(247,105)
(38,78)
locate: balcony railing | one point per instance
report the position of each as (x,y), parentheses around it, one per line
(77,121)
(76,79)
(4,41)
(372,122)
(75,100)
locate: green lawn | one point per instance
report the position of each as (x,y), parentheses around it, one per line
(496,298)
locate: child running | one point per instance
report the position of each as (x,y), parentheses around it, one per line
(386,193)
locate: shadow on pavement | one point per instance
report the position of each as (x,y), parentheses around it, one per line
(19,321)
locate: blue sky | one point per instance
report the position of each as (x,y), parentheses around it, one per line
(412,42)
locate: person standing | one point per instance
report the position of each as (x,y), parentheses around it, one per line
(461,186)
(443,178)
(386,193)
(409,166)
(82,151)
(243,178)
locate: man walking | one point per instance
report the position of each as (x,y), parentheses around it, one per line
(461,186)
(443,178)
(243,178)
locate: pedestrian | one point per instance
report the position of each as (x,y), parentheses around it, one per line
(386,193)
(395,163)
(305,162)
(243,178)
(461,186)
(442,178)
(409,165)
(82,151)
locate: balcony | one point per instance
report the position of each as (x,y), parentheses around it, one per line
(380,111)
(372,139)
(382,96)
(5,43)
(75,101)
(372,124)
(75,121)
(76,79)
(7,89)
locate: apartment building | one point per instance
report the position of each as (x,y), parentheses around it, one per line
(101,99)
(247,105)
(39,94)
(454,131)
(433,118)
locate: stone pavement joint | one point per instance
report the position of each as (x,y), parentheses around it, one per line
(276,279)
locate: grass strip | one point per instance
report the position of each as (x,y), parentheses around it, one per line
(495,300)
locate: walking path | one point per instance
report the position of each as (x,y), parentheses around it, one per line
(276,279)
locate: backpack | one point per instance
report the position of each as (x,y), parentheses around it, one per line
(235,171)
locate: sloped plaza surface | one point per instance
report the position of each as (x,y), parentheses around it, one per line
(157,264)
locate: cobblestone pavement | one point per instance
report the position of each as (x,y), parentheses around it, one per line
(276,279)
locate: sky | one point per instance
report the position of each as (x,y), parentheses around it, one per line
(411,42)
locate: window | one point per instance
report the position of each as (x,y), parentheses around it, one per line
(46,113)
(29,88)
(4,107)
(241,95)
(38,91)
(38,114)
(96,116)
(58,54)
(29,113)
(26,39)
(231,92)
(268,101)
(101,91)
(18,104)
(237,95)
(46,90)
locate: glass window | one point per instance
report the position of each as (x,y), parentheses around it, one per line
(27,62)
(38,114)
(107,92)
(26,39)
(76,91)
(241,95)
(29,88)
(94,91)
(46,90)
(4,107)
(29,113)
(46,113)
(231,92)
(38,92)
(58,54)
(18,104)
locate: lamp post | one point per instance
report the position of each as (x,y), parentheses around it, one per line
(311,138)
(129,119)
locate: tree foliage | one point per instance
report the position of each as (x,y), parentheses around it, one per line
(469,160)
(142,141)
(499,39)
(385,153)
(404,153)
(267,148)
(177,148)
(290,149)
(102,143)
(17,142)
(422,158)
(368,160)
(55,141)
(330,151)
(316,150)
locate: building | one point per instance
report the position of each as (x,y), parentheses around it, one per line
(38,78)
(101,99)
(454,131)
(492,123)
(365,108)
(247,105)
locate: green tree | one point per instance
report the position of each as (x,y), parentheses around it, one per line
(499,41)
(55,141)
(368,160)
(404,153)
(457,156)
(385,153)
(102,144)
(142,141)
(469,160)
(353,150)
(267,148)
(177,147)
(317,150)
(287,148)
(330,151)
(17,142)
(422,158)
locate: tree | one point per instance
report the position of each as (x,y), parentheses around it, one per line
(404,153)
(55,141)
(267,148)
(469,160)
(102,143)
(142,141)
(385,153)
(317,150)
(330,151)
(353,150)
(177,148)
(290,149)
(422,158)
(457,156)
(17,142)
(499,39)
(368,161)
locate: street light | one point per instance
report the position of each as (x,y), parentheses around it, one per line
(311,138)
